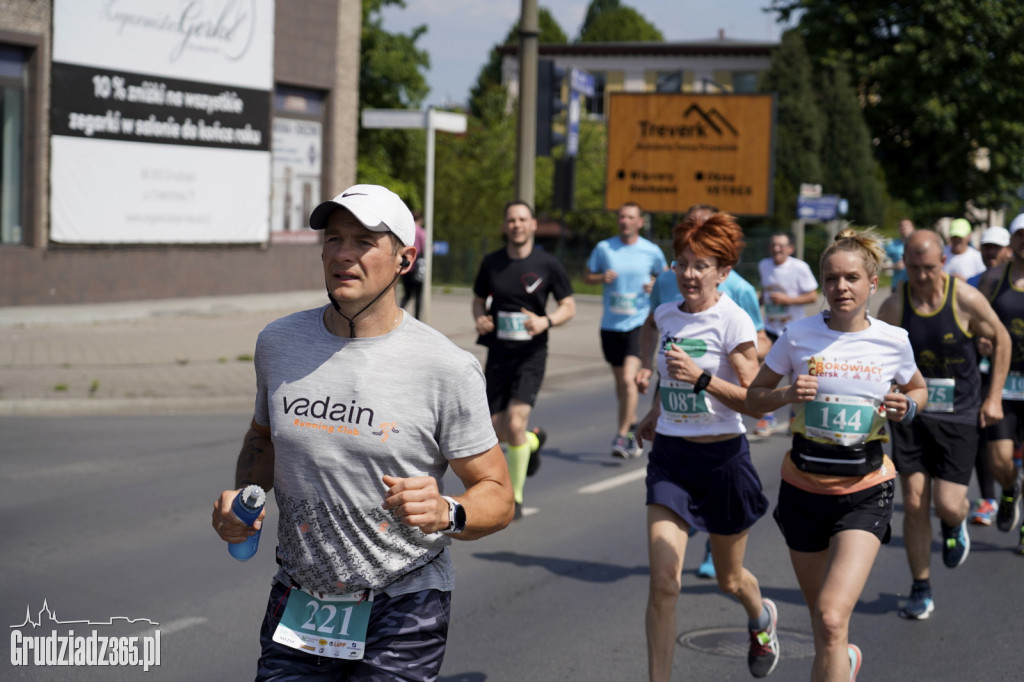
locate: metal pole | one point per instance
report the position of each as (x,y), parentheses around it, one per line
(428,222)
(527,127)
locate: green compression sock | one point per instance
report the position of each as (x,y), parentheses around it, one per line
(518,457)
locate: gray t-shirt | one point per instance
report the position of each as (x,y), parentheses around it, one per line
(345,412)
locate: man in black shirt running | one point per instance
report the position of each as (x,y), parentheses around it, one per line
(509,298)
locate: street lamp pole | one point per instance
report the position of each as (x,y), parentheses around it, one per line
(529,31)
(430,120)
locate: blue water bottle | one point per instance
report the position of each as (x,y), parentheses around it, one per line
(247,506)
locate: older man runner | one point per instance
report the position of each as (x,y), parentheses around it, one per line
(935,453)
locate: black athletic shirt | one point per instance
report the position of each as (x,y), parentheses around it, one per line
(1008,302)
(944,349)
(517,284)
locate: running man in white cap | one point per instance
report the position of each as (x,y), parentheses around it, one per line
(360,410)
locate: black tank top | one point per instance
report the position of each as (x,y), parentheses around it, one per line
(944,350)
(1008,302)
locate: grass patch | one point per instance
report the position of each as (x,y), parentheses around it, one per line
(60,387)
(244,357)
(580,287)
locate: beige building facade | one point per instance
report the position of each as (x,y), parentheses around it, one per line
(135,176)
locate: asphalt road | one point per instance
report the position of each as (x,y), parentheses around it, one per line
(109,517)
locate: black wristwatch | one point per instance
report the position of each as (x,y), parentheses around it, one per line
(456,516)
(702,381)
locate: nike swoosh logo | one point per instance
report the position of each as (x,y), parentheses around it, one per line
(355,194)
(533,287)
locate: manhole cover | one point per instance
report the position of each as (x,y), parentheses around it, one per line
(735,642)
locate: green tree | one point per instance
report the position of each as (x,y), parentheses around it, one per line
(847,160)
(391,77)
(800,124)
(595,9)
(617,24)
(588,217)
(488,97)
(474,178)
(938,80)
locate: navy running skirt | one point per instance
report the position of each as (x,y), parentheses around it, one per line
(713,487)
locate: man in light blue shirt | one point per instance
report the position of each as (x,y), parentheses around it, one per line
(894,252)
(626,265)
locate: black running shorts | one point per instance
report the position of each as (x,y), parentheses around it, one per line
(514,374)
(809,520)
(1011,427)
(617,345)
(940,448)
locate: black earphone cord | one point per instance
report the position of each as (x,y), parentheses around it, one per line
(352,320)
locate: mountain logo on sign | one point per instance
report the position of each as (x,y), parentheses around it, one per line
(712,117)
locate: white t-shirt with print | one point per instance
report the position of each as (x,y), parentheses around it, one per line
(854,370)
(708,336)
(793,277)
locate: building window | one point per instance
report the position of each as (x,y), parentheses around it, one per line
(297,162)
(669,81)
(595,104)
(12,133)
(745,82)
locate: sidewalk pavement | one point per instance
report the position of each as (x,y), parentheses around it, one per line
(195,355)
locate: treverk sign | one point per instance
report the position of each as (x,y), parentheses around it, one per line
(668,152)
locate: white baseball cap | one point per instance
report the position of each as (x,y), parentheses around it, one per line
(377,208)
(999,236)
(1017,223)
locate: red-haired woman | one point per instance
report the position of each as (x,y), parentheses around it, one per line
(699,473)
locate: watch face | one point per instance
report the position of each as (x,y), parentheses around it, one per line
(460,517)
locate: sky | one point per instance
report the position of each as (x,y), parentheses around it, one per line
(461,33)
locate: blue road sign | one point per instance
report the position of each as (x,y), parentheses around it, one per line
(818,208)
(581,82)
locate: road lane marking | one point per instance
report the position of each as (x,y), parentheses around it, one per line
(613,482)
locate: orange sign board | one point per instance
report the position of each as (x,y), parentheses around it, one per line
(667,152)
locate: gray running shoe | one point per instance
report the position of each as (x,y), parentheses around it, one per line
(956,544)
(1008,515)
(620,447)
(634,448)
(919,605)
(763,654)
